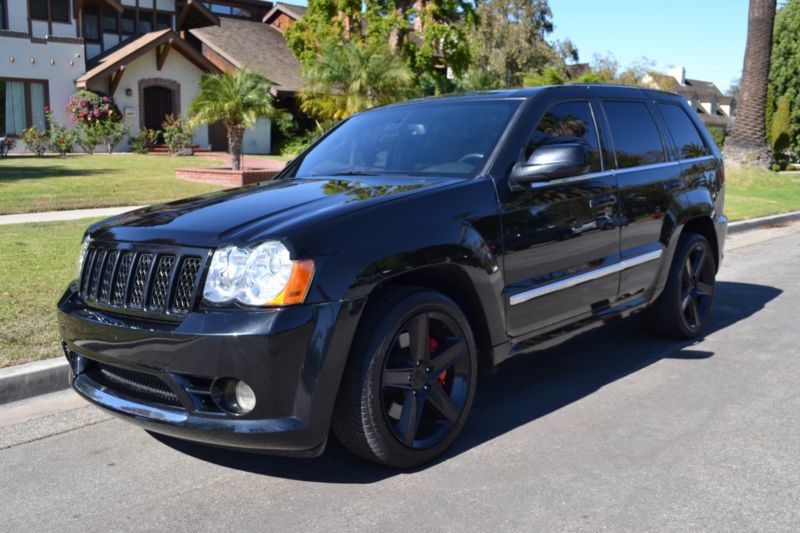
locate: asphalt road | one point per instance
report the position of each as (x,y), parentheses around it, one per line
(613,431)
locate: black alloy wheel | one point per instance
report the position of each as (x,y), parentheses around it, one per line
(410,380)
(683,310)
(697,286)
(425,381)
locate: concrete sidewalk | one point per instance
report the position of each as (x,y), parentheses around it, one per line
(73,214)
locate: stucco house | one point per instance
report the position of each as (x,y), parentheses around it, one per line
(148,55)
(712,106)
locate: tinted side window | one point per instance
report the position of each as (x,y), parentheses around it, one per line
(568,122)
(687,139)
(636,137)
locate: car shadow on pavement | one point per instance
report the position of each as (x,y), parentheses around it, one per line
(521,390)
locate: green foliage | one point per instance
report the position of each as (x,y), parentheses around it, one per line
(109,133)
(36,140)
(144,140)
(781,129)
(177,135)
(297,143)
(348,78)
(88,137)
(511,40)
(441,45)
(62,139)
(784,68)
(718,134)
(550,76)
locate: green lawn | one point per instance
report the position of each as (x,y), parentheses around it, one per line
(754,192)
(37,263)
(30,184)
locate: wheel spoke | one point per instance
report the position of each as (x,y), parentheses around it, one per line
(686,299)
(693,313)
(442,403)
(420,339)
(704,289)
(687,270)
(449,356)
(699,264)
(397,378)
(409,418)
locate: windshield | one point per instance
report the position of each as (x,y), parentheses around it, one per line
(448,138)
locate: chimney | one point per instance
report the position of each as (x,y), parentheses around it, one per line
(679,73)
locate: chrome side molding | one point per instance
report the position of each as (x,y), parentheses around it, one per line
(592,275)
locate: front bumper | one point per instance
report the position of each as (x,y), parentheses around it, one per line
(160,374)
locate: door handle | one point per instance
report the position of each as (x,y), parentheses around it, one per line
(602,201)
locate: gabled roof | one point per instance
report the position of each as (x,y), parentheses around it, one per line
(291,10)
(255,45)
(118,57)
(195,15)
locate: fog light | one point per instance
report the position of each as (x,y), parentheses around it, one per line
(233,396)
(245,397)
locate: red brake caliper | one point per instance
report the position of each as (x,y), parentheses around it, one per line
(433,346)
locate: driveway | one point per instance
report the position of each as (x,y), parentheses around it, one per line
(614,430)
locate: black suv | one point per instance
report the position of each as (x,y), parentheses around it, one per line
(412,247)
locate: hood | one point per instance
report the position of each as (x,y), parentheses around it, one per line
(243,216)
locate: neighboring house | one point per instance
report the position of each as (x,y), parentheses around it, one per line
(147,54)
(712,106)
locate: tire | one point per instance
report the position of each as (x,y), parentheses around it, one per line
(410,380)
(683,309)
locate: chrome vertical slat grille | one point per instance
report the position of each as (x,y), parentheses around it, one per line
(186,282)
(121,281)
(159,294)
(139,283)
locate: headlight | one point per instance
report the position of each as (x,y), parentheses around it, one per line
(262,275)
(82,257)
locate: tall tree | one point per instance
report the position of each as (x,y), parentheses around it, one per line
(747,142)
(237,100)
(510,39)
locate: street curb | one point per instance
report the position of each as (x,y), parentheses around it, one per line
(41,377)
(756,223)
(32,379)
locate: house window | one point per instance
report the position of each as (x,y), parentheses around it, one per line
(110,22)
(163,21)
(59,10)
(91,24)
(22,104)
(39,9)
(129,22)
(3,22)
(145,22)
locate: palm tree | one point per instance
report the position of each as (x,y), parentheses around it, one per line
(237,100)
(747,142)
(348,78)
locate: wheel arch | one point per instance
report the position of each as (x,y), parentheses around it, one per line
(456,284)
(703,225)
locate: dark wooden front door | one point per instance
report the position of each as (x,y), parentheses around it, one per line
(157,105)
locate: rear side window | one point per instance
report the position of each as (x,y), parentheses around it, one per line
(636,137)
(687,139)
(565,123)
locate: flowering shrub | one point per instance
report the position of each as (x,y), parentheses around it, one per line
(36,140)
(86,107)
(144,140)
(110,133)
(177,135)
(62,139)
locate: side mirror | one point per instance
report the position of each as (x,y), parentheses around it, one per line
(552,161)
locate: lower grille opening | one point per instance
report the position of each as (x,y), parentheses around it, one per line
(134,384)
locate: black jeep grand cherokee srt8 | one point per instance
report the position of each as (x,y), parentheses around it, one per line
(365,286)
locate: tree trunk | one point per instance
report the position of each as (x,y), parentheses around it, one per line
(235,137)
(747,142)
